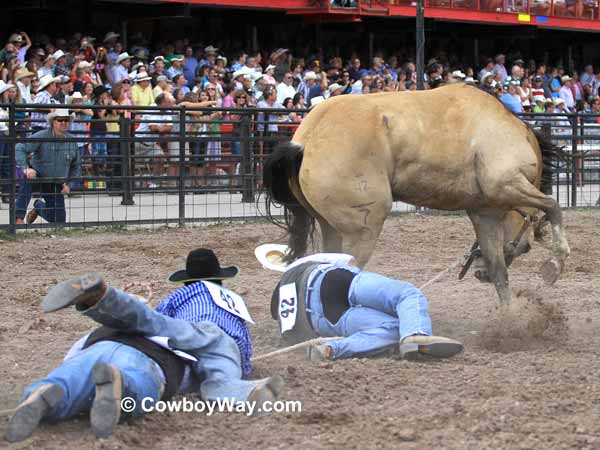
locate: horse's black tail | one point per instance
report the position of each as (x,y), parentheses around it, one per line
(550,155)
(280,172)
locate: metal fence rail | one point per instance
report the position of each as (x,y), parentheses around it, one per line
(206,167)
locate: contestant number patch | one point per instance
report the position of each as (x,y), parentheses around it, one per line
(229,301)
(288,306)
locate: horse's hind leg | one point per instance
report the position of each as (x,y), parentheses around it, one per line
(523,193)
(490,235)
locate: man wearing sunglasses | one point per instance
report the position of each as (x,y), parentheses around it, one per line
(50,164)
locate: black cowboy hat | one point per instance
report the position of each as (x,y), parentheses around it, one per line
(202,264)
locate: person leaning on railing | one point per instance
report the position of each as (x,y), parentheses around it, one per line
(59,159)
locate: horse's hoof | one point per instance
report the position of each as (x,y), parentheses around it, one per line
(551,270)
(483,276)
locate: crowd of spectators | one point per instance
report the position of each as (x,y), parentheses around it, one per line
(84,70)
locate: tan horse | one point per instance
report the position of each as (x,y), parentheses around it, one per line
(451,148)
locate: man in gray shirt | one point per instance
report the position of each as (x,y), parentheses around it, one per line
(48,160)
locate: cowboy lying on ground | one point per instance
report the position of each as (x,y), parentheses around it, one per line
(196,340)
(327,295)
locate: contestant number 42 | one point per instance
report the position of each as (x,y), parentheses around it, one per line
(288,306)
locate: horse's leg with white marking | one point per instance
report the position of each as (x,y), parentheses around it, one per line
(490,235)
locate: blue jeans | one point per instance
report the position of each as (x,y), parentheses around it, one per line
(382,312)
(141,378)
(218,366)
(52,208)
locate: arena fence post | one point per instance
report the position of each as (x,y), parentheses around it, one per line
(247,161)
(125,133)
(181,180)
(12,134)
(574,129)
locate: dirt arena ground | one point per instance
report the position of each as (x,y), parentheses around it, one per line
(529,382)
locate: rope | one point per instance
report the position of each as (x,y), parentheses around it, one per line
(323,340)
(281,351)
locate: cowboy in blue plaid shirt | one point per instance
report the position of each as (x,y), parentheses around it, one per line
(196,340)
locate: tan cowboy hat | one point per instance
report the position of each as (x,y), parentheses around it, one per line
(47,80)
(210,49)
(271,256)
(23,73)
(111,35)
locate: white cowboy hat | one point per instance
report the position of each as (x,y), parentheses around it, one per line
(5,86)
(84,65)
(57,54)
(76,96)
(539,98)
(334,87)
(59,113)
(269,67)
(310,75)
(122,57)
(47,80)
(143,76)
(210,49)
(223,58)
(243,71)
(111,35)
(558,101)
(271,256)
(458,74)
(158,58)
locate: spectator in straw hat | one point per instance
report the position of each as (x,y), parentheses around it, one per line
(210,55)
(120,71)
(141,92)
(566,93)
(23,79)
(45,96)
(48,160)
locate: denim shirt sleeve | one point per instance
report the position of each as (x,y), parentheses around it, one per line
(21,152)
